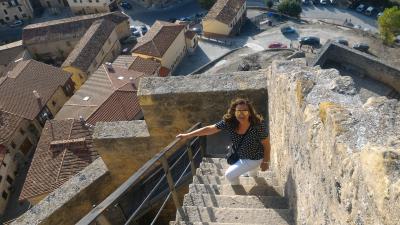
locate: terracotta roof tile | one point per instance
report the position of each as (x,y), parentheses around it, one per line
(90,45)
(224,10)
(112,96)
(56,162)
(158,39)
(164,71)
(147,66)
(69,28)
(17,86)
(8,124)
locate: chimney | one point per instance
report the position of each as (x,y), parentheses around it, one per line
(109,67)
(38,98)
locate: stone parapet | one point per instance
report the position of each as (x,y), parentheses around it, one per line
(69,202)
(124,146)
(337,157)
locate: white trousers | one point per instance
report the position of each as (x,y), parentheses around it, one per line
(242,166)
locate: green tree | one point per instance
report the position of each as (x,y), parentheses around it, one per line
(206,4)
(389,24)
(269,3)
(290,7)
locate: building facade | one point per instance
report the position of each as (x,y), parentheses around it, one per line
(11,10)
(82,7)
(165,42)
(225,18)
(99,44)
(56,39)
(24,110)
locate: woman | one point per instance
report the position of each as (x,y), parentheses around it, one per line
(254,149)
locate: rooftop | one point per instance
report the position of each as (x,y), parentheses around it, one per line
(8,124)
(17,87)
(73,27)
(158,39)
(90,45)
(137,63)
(64,149)
(224,10)
(108,95)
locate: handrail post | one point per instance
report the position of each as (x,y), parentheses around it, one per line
(203,146)
(171,185)
(190,155)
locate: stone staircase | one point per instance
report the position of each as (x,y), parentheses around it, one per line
(213,201)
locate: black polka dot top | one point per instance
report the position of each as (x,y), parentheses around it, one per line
(251,146)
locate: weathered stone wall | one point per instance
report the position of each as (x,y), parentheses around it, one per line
(69,202)
(172,105)
(362,63)
(338,159)
(124,147)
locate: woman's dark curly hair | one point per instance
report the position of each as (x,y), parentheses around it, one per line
(230,117)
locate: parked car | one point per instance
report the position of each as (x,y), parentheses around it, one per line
(266,21)
(185,19)
(125,5)
(134,31)
(277,45)
(369,11)
(197,30)
(143,29)
(287,30)
(128,40)
(342,41)
(360,8)
(361,47)
(16,23)
(309,40)
(306,2)
(323,2)
(379,15)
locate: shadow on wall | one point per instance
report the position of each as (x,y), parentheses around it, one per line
(291,194)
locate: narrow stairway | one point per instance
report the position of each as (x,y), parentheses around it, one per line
(213,201)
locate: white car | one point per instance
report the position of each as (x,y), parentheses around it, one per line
(323,2)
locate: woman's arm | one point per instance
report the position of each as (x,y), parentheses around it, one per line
(207,130)
(267,150)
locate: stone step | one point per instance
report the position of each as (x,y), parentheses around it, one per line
(230,215)
(226,189)
(211,223)
(238,201)
(204,179)
(212,170)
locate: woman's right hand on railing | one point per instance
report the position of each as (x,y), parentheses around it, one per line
(183,136)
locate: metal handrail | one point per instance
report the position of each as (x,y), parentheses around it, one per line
(96,214)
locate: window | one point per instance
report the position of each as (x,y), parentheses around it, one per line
(44,115)
(19,8)
(68,88)
(5,12)
(4,164)
(1,178)
(13,145)
(9,179)
(97,0)
(7,18)
(4,195)
(90,1)
(75,1)
(53,103)
(24,15)
(16,17)
(22,131)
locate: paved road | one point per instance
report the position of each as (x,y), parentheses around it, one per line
(339,15)
(141,16)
